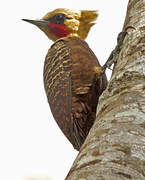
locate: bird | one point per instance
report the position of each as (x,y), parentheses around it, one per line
(72,74)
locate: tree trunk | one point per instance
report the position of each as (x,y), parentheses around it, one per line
(115,146)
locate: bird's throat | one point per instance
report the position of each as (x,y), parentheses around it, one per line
(59,30)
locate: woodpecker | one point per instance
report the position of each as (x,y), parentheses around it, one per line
(72,79)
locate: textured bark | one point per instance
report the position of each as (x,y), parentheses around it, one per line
(115,146)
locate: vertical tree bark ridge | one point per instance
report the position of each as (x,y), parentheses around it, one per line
(115,146)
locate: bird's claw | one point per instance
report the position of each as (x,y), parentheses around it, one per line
(116,51)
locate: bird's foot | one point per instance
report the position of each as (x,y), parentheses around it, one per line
(112,58)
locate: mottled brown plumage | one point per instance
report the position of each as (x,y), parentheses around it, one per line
(72,87)
(71,72)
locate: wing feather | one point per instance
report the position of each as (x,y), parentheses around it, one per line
(71,87)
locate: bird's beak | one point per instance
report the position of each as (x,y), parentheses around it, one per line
(42,23)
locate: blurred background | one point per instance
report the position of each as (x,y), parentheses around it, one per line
(32,146)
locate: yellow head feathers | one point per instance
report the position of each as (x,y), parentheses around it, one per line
(64,22)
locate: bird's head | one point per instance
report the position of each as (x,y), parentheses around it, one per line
(64,22)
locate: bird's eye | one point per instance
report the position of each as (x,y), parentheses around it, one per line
(58,18)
